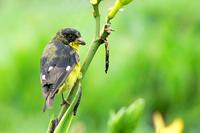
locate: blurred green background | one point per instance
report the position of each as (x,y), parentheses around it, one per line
(155,54)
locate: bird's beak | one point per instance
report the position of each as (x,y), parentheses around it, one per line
(80,41)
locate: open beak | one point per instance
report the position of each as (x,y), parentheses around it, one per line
(80,41)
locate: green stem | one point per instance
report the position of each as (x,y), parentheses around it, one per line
(97,20)
(95,45)
(89,57)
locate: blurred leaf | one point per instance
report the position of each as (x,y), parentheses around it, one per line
(126,119)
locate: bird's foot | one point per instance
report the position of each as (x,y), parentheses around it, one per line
(65,102)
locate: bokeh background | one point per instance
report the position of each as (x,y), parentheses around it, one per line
(155,54)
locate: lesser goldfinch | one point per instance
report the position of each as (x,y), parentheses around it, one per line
(60,63)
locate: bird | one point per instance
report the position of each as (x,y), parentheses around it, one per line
(60,64)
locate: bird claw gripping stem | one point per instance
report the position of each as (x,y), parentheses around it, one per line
(64,102)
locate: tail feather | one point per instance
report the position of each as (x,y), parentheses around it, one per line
(48,102)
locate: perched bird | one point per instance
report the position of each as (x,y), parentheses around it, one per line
(60,64)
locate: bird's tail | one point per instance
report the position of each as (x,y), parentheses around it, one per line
(48,102)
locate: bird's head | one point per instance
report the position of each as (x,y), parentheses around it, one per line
(72,36)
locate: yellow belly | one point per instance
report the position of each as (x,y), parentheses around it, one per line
(71,79)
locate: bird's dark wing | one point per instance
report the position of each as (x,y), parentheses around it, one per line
(57,62)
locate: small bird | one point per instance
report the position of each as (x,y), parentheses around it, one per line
(60,64)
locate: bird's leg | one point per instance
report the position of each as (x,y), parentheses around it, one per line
(78,102)
(64,102)
(107,56)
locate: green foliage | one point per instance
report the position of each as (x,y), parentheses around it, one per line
(126,119)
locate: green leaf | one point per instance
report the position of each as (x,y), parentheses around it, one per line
(65,122)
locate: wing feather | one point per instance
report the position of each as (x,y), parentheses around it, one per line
(57,62)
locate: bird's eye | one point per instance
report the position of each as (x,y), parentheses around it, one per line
(71,37)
